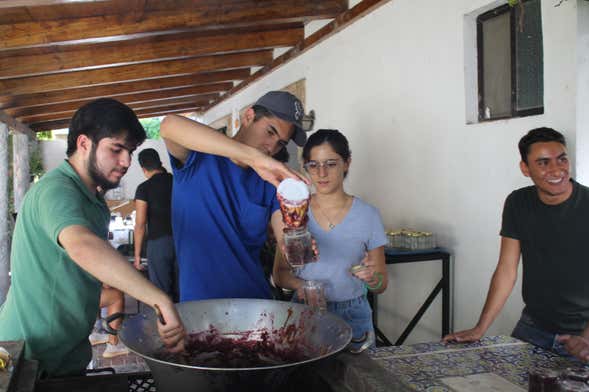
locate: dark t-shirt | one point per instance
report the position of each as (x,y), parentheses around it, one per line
(555,262)
(157,192)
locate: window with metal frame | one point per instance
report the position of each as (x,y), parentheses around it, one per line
(510,61)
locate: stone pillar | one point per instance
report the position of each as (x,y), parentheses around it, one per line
(4,213)
(20,166)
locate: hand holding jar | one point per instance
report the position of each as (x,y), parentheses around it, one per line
(299,247)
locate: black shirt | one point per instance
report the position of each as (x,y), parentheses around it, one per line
(157,192)
(555,262)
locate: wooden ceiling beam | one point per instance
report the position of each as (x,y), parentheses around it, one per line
(37,9)
(149,96)
(342,21)
(199,100)
(162,104)
(117,89)
(157,112)
(170,47)
(127,73)
(50,125)
(147,113)
(196,15)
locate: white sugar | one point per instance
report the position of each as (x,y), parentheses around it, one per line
(293,190)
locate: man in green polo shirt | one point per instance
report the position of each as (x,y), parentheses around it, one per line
(60,256)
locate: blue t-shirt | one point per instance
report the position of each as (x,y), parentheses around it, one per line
(342,247)
(220,216)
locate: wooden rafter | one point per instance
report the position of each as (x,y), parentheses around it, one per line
(127,73)
(158,56)
(116,89)
(134,98)
(141,113)
(195,100)
(23,63)
(179,16)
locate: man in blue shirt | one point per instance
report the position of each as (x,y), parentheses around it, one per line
(224,196)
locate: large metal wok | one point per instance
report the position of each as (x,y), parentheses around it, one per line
(320,334)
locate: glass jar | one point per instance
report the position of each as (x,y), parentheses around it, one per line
(577,374)
(298,246)
(543,379)
(314,295)
(565,385)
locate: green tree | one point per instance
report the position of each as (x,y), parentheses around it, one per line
(36,162)
(152,127)
(45,135)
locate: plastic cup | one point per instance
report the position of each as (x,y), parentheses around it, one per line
(293,197)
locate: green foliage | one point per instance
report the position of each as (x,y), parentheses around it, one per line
(36,162)
(152,127)
(45,135)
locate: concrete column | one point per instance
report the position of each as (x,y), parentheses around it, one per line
(4,232)
(20,166)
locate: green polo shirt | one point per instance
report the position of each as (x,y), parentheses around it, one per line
(52,303)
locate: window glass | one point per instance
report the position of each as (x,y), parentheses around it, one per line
(510,61)
(529,65)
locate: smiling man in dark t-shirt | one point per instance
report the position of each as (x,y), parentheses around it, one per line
(546,224)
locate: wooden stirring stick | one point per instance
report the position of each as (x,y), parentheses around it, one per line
(158,313)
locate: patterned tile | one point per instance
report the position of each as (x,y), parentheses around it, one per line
(420,366)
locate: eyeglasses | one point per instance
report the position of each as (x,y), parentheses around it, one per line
(313,166)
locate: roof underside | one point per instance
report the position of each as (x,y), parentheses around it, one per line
(158,57)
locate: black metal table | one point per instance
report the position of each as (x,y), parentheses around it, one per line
(396,256)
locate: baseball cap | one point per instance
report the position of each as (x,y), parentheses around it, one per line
(287,107)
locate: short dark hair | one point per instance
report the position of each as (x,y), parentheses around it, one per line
(261,112)
(538,135)
(149,159)
(104,117)
(334,138)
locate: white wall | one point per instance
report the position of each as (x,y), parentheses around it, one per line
(54,153)
(393,82)
(583,91)
(135,175)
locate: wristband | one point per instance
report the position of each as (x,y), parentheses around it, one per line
(379,284)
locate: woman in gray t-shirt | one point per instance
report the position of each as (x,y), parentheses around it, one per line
(348,232)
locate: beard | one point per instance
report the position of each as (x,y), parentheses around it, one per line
(99,179)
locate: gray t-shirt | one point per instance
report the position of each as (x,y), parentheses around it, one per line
(342,247)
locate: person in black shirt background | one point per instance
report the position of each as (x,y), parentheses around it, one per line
(153,206)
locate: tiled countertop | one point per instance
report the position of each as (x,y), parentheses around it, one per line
(422,366)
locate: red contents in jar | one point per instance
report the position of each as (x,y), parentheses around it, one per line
(298,248)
